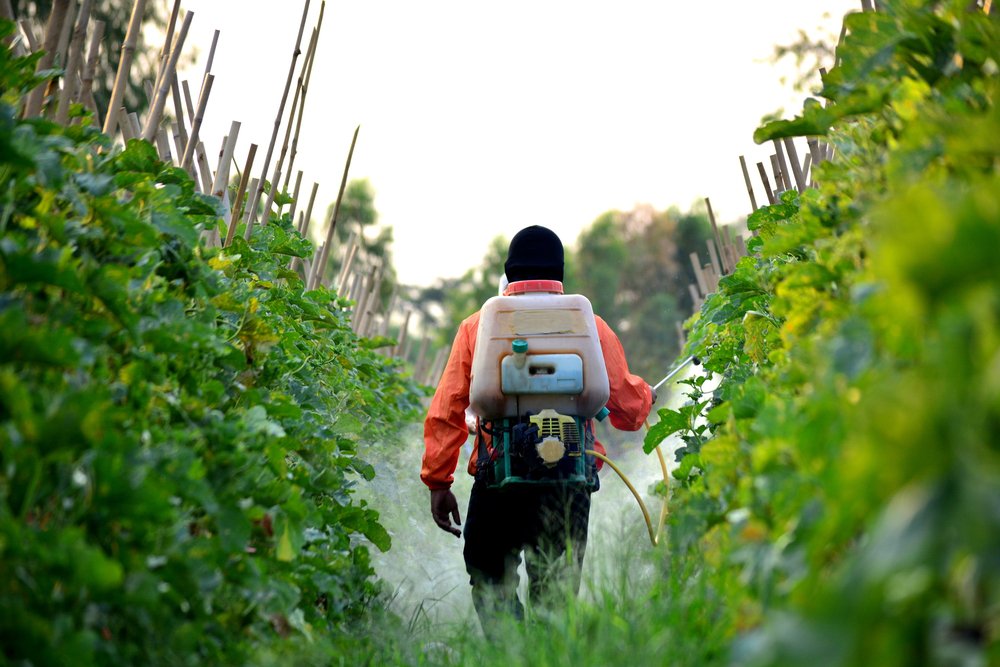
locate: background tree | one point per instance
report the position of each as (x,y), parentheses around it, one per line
(116,15)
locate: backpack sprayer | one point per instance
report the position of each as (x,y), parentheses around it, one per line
(538,378)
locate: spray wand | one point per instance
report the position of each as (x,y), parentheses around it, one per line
(654,535)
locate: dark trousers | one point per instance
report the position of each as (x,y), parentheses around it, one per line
(547,522)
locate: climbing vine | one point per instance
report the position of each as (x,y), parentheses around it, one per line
(179,426)
(844,501)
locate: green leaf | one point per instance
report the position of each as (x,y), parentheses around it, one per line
(670,422)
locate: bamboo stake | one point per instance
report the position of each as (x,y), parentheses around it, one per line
(163,145)
(403,331)
(305,91)
(746,179)
(180,131)
(125,65)
(248,232)
(125,125)
(156,111)
(276,176)
(228,148)
(866,5)
(59,60)
(305,222)
(57,16)
(87,82)
(418,366)
(133,123)
(202,166)
(806,167)
(62,49)
(6,10)
(814,152)
(206,90)
(767,183)
(295,197)
(699,275)
(356,283)
(345,270)
(29,34)
(167,44)
(73,62)
(717,268)
(240,190)
(277,122)
(779,181)
(393,302)
(718,237)
(695,296)
(336,205)
(793,158)
(211,55)
(303,228)
(785,173)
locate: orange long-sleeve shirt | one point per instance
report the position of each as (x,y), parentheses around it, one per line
(445,430)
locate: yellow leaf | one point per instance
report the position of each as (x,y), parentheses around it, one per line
(285,551)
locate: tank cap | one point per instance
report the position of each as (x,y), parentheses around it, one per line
(519,346)
(529,286)
(602,413)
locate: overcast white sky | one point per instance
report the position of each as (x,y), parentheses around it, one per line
(479,118)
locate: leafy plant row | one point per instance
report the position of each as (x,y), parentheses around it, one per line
(839,488)
(178,426)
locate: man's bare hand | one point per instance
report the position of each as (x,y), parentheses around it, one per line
(444,509)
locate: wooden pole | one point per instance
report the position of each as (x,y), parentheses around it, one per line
(336,206)
(240,191)
(767,183)
(723,267)
(403,331)
(277,124)
(778,180)
(305,91)
(123,123)
(90,69)
(133,122)
(699,276)
(125,66)
(717,268)
(29,35)
(221,179)
(746,179)
(793,158)
(345,270)
(57,17)
(180,130)
(695,295)
(73,62)
(156,111)
(62,50)
(167,45)
(206,90)
(295,197)
(276,176)
(163,145)
(309,207)
(786,178)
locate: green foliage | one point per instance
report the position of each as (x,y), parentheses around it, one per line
(850,477)
(178,426)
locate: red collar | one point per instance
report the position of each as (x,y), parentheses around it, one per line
(525,286)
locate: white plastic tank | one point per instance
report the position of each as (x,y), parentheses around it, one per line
(562,368)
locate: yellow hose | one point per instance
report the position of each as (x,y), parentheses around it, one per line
(654,536)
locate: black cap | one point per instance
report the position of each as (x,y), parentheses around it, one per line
(535,253)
